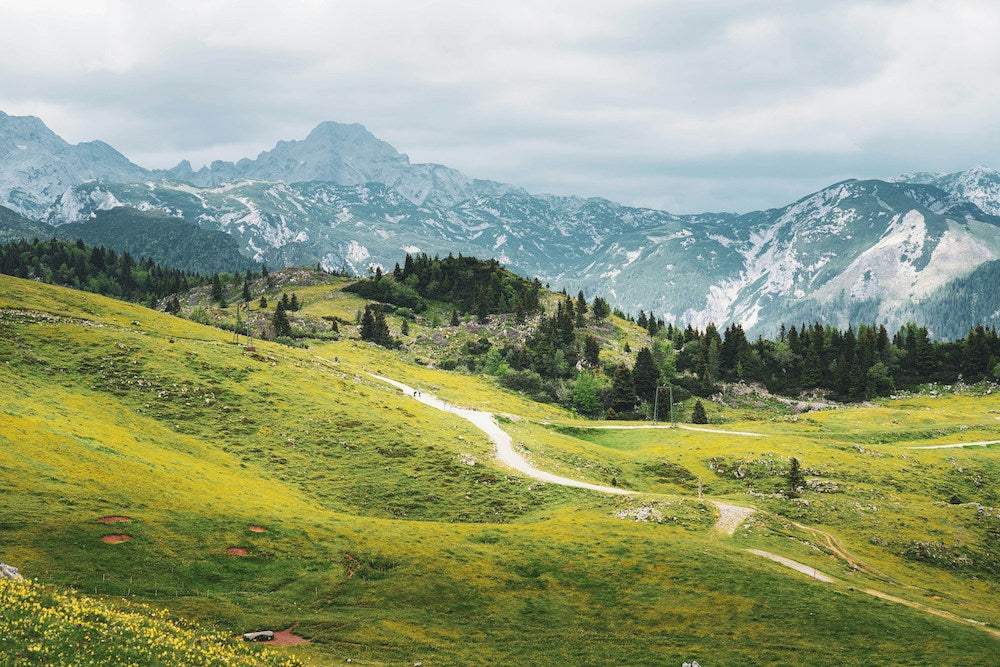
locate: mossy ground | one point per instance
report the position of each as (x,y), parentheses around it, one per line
(109,408)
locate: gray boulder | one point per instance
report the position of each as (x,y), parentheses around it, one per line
(261,636)
(9,572)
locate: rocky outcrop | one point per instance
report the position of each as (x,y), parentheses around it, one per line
(9,572)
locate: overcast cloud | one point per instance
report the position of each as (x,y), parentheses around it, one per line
(684,105)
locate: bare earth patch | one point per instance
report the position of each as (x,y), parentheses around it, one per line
(115,519)
(287,637)
(257,529)
(115,538)
(236,551)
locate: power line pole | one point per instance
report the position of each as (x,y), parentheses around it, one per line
(673,424)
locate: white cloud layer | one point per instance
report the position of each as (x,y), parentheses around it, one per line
(685,105)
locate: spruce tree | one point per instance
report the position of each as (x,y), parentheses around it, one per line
(293,303)
(645,375)
(217,288)
(282,327)
(382,335)
(246,291)
(601,309)
(795,480)
(591,351)
(698,415)
(622,390)
(454,318)
(405,328)
(368,325)
(262,303)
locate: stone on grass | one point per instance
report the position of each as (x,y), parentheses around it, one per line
(261,636)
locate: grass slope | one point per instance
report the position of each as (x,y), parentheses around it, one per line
(393,537)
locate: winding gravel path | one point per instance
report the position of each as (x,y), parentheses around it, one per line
(505,452)
(730,516)
(981,443)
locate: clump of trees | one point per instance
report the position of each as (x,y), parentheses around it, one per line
(375,329)
(476,286)
(845,364)
(95,269)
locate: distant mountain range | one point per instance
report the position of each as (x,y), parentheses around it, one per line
(855,251)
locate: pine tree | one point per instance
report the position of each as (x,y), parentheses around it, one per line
(405,328)
(368,325)
(795,480)
(282,327)
(622,390)
(217,288)
(454,318)
(246,291)
(293,303)
(581,308)
(592,351)
(601,309)
(698,415)
(382,335)
(645,375)
(262,303)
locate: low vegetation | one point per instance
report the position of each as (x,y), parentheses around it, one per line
(281,485)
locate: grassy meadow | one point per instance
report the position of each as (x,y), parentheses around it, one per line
(388,533)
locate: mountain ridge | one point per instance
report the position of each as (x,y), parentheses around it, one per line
(343,198)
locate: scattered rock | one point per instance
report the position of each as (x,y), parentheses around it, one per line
(9,572)
(259,636)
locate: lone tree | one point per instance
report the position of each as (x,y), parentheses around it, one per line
(405,328)
(698,415)
(795,479)
(454,318)
(282,327)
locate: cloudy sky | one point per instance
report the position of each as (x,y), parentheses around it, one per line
(684,105)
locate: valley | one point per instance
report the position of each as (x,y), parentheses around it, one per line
(393,534)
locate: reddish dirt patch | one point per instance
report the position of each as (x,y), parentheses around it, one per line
(287,637)
(115,538)
(115,519)
(236,551)
(352,564)
(257,529)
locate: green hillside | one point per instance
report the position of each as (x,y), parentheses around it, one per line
(14,226)
(285,487)
(164,238)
